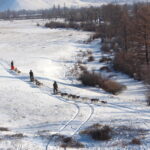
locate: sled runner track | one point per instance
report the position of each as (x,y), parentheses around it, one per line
(78,111)
(68,124)
(89,117)
(72,119)
(46,88)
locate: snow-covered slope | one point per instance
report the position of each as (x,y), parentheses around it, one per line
(34,111)
(43,4)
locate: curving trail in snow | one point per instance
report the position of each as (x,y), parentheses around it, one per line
(72,127)
(27,109)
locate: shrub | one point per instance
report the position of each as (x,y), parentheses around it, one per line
(90,58)
(136,141)
(4,129)
(38,24)
(90,79)
(70,142)
(105,68)
(65,141)
(15,136)
(82,26)
(56,25)
(148,98)
(93,79)
(105,59)
(89,52)
(113,87)
(18,135)
(98,132)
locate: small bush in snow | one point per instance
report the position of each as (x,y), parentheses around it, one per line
(15,136)
(95,80)
(105,59)
(136,141)
(89,52)
(56,25)
(90,58)
(148,99)
(70,142)
(105,68)
(38,24)
(4,129)
(113,87)
(98,132)
(90,79)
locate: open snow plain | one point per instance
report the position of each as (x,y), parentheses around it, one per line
(36,113)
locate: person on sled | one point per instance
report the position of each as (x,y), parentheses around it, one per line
(55,87)
(31,76)
(12,65)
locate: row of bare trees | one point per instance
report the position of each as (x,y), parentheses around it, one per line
(126,31)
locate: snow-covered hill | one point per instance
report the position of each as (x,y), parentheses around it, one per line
(43,4)
(36,113)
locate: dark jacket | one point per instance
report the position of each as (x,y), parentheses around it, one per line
(55,85)
(31,74)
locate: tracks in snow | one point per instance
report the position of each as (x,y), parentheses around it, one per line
(73,126)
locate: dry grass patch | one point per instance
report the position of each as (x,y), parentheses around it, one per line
(105,59)
(98,132)
(105,68)
(96,80)
(136,141)
(127,135)
(113,87)
(14,136)
(90,59)
(70,142)
(65,141)
(3,129)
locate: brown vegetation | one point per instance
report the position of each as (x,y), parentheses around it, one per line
(65,141)
(105,59)
(3,129)
(70,142)
(136,141)
(93,79)
(105,68)
(98,132)
(90,58)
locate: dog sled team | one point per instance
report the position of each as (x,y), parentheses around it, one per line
(32,79)
(55,87)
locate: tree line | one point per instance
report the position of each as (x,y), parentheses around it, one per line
(123,29)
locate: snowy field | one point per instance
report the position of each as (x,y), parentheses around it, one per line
(32,111)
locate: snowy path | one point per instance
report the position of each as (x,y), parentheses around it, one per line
(28,109)
(72,127)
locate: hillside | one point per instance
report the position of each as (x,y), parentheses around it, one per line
(31,115)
